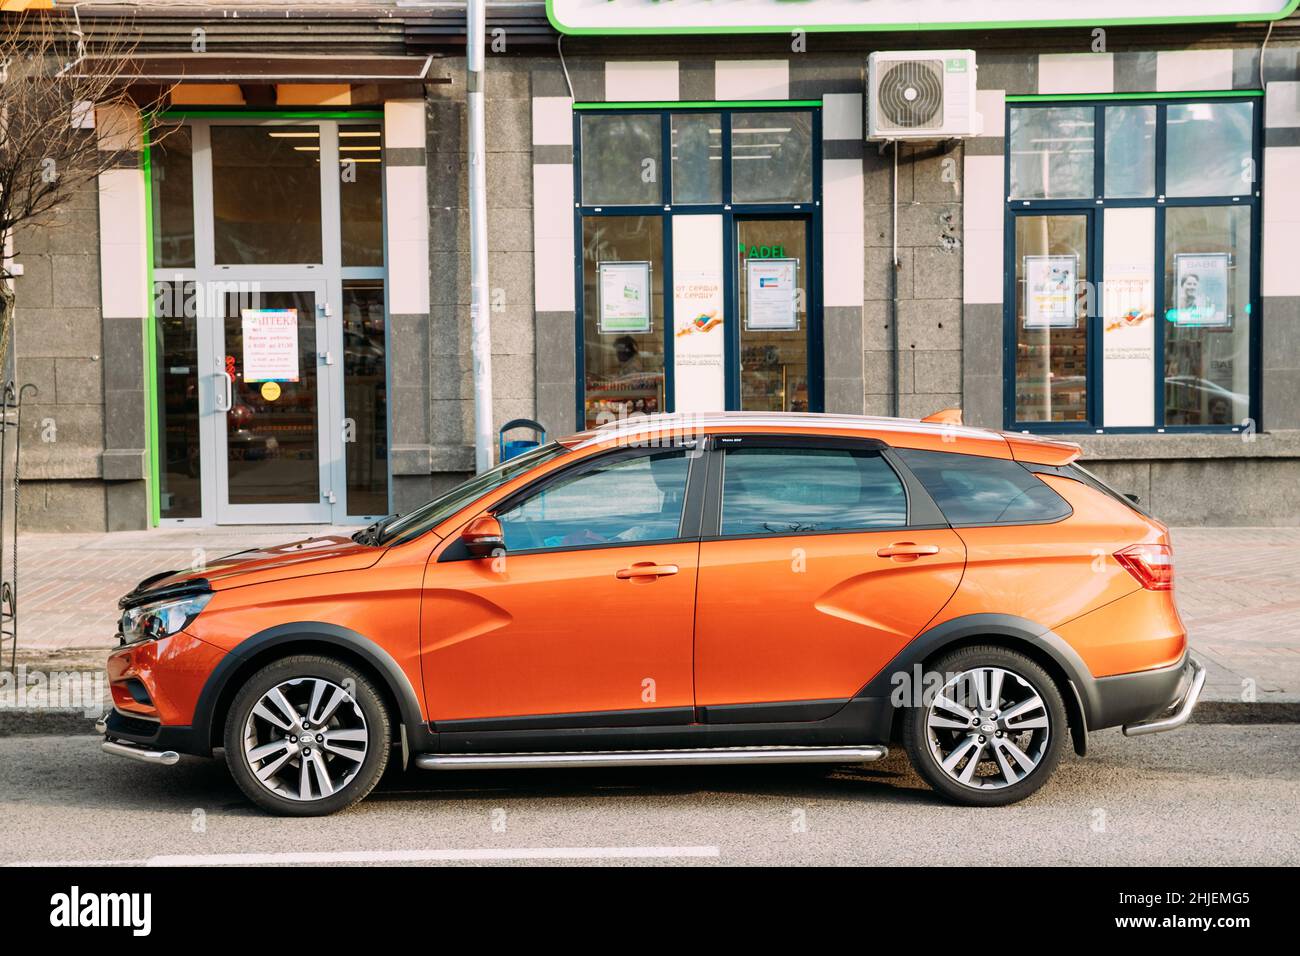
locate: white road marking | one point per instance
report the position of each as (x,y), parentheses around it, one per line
(480,854)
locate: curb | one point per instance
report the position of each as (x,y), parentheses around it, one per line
(19,723)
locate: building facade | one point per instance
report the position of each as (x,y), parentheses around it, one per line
(228,332)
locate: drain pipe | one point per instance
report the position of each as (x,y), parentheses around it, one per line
(896,365)
(479,313)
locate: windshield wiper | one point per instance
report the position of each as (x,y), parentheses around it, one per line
(370,534)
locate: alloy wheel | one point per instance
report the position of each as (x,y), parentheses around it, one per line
(305,739)
(988,728)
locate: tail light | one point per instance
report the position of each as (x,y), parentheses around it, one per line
(1151,564)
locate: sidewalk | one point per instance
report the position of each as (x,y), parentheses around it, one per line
(1238,590)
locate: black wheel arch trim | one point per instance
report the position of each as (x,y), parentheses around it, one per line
(1083,702)
(324,635)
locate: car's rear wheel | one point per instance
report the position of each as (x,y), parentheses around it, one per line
(307,736)
(993,732)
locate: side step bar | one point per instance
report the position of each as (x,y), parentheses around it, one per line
(651,758)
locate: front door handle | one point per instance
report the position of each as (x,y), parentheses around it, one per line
(647,571)
(907,549)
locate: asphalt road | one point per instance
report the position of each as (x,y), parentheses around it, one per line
(1208,794)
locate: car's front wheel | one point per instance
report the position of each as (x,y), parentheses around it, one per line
(993,732)
(307,736)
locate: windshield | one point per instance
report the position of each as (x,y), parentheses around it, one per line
(401,529)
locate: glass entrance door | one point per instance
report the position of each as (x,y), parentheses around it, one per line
(774,327)
(276,382)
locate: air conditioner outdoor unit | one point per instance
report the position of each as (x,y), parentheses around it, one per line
(921,95)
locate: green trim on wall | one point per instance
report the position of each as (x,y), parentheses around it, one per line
(698,104)
(1092,97)
(919,27)
(180,113)
(150,335)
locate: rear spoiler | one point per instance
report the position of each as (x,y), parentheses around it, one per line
(1041,451)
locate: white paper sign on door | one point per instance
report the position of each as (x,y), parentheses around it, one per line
(771,294)
(698,312)
(270,345)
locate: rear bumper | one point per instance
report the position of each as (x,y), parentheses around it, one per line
(1134,698)
(1180,709)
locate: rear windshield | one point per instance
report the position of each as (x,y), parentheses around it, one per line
(971,490)
(1090,479)
(428,516)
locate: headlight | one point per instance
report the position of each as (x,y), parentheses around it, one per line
(148,622)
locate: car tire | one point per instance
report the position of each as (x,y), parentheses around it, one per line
(1014,742)
(323,758)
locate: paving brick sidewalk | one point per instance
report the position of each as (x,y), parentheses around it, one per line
(1238,590)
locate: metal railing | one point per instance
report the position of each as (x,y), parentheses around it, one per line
(11,423)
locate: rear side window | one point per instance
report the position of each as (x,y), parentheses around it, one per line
(971,490)
(791,490)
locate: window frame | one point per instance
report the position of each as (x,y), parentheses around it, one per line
(1091,206)
(729,211)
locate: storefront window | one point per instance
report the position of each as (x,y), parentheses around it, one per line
(175,322)
(361,195)
(623,316)
(771,157)
(697,158)
(1052,152)
(1051,318)
(365,396)
(1207,333)
(1135,314)
(622,155)
(1209,150)
(172,181)
(1130,152)
(266,199)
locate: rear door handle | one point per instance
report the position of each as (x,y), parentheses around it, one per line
(647,571)
(908,549)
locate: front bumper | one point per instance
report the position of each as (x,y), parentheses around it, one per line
(1180,710)
(139,738)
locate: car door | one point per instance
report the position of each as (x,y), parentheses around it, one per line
(588,613)
(821,559)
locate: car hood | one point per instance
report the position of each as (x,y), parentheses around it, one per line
(318,555)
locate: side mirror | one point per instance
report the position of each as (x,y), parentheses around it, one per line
(482,537)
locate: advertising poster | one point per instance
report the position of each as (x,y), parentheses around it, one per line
(698,311)
(624,292)
(1201,290)
(270,345)
(1128,318)
(1050,283)
(771,288)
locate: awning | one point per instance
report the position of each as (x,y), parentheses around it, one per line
(273,68)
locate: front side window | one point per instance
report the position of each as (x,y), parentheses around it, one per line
(793,490)
(971,490)
(1130,297)
(618,499)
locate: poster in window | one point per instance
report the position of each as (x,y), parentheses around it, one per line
(772,295)
(1050,283)
(1201,290)
(624,292)
(270,344)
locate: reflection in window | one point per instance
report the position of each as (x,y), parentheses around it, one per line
(1052,152)
(771,157)
(1051,263)
(361,206)
(1207,313)
(790,490)
(1209,149)
(1130,152)
(620,499)
(365,396)
(179,473)
(172,180)
(266,194)
(697,157)
(972,490)
(623,348)
(621,159)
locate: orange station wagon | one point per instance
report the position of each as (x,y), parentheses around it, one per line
(718,589)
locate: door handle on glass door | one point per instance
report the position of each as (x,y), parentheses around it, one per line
(908,549)
(228,389)
(647,571)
